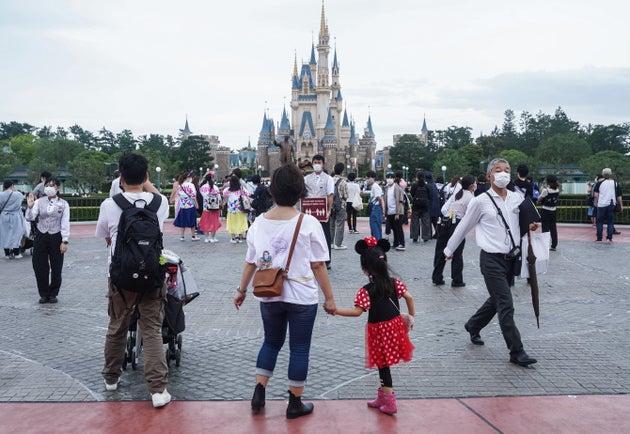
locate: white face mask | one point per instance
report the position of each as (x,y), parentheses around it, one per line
(501,179)
(390,181)
(317,167)
(50,191)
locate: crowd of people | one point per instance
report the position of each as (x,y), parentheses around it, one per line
(270,218)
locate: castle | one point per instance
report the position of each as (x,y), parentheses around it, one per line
(317,125)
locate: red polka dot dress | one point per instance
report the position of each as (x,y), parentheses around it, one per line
(386,338)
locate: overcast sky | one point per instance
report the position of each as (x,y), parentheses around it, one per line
(144,64)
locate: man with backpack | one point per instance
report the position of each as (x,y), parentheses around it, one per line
(338,209)
(131,223)
(420,216)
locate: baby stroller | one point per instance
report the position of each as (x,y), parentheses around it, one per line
(179,284)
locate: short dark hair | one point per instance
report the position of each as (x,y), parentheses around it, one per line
(319,157)
(238,173)
(133,168)
(287,185)
(522,170)
(54,180)
(371,174)
(352,176)
(398,174)
(256,179)
(7,183)
(235,183)
(45,174)
(338,168)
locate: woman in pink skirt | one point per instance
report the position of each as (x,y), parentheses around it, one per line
(210,221)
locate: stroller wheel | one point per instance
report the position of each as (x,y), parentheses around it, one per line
(168,357)
(134,361)
(179,341)
(124,366)
(178,357)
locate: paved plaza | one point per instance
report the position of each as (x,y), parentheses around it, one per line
(54,353)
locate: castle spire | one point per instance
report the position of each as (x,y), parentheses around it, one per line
(295,71)
(323,27)
(312,61)
(424,125)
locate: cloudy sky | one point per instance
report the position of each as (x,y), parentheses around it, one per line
(144,65)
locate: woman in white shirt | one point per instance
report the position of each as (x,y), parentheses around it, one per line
(353,191)
(268,244)
(452,212)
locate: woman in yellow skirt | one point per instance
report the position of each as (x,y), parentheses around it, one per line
(236,215)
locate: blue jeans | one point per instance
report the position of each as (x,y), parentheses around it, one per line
(376,221)
(605,214)
(300,319)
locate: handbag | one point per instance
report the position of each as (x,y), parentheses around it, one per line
(357,202)
(246,204)
(268,282)
(617,208)
(406,318)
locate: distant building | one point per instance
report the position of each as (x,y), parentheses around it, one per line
(221,154)
(317,125)
(423,136)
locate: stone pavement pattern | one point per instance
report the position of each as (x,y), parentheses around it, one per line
(54,352)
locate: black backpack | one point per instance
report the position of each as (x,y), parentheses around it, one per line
(135,263)
(421,198)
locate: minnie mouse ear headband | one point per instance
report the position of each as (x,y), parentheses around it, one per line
(362,245)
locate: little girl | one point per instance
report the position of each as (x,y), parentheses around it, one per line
(210,221)
(387,340)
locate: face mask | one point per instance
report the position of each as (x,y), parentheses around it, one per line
(50,191)
(390,181)
(501,179)
(317,167)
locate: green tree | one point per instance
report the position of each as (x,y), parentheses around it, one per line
(474,156)
(126,141)
(52,154)
(455,162)
(508,131)
(410,152)
(8,161)
(563,148)
(87,171)
(491,145)
(454,137)
(23,147)
(618,163)
(194,152)
(84,137)
(12,129)
(610,138)
(515,158)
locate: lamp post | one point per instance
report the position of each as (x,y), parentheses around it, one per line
(158,170)
(260,170)
(200,172)
(347,169)
(444,173)
(216,173)
(405,172)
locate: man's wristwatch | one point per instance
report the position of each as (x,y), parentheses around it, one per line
(65,242)
(242,291)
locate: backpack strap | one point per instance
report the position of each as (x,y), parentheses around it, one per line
(121,201)
(155,203)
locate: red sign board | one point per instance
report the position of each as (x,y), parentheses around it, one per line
(315,206)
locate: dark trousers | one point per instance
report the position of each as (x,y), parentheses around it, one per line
(47,263)
(396,226)
(326,228)
(352,217)
(439,262)
(497,273)
(548,219)
(605,214)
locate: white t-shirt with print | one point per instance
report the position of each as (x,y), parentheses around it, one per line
(268,243)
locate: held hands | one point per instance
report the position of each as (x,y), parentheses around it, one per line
(330,307)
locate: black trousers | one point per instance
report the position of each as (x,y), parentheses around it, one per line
(497,273)
(47,263)
(439,262)
(548,219)
(351,214)
(397,228)
(326,228)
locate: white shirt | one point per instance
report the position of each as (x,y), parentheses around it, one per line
(353,190)
(268,243)
(375,192)
(458,207)
(319,185)
(490,231)
(606,193)
(54,216)
(109,215)
(115,188)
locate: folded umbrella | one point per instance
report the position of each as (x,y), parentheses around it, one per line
(533,278)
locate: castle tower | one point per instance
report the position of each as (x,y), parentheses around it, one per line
(329,142)
(424,132)
(323,75)
(186,131)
